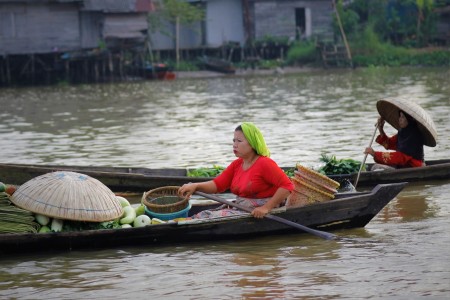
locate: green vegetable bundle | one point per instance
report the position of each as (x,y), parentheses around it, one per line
(14,219)
(206,172)
(334,166)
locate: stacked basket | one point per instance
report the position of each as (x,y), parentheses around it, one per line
(311,187)
(165,204)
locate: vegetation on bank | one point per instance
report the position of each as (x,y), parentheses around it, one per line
(379,33)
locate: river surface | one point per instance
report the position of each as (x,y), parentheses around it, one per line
(403,253)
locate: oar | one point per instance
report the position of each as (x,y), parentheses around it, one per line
(322,234)
(365,156)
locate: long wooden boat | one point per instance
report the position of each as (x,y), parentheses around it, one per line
(346,211)
(122,179)
(434,170)
(217,65)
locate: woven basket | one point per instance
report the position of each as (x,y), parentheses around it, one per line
(164,200)
(317,177)
(318,184)
(304,194)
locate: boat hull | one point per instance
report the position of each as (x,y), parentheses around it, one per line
(347,211)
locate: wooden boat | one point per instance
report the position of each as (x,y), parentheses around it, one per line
(434,170)
(217,65)
(116,178)
(139,180)
(346,211)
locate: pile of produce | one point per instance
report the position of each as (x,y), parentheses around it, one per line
(17,220)
(14,219)
(334,166)
(216,170)
(205,172)
(133,216)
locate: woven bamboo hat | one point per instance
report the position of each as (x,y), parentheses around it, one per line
(389,110)
(69,196)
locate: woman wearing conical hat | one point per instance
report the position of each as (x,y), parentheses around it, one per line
(256,180)
(407,145)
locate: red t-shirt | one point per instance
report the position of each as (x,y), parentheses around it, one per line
(261,180)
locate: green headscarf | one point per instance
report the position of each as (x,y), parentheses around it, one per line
(255,138)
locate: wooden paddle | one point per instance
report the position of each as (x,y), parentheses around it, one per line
(365,156)
(322,234)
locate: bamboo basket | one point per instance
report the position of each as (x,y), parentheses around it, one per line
(304,194)
(164,200)
(312,180)
(316,177)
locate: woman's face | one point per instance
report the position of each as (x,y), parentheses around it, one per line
(402,121)
(241,147)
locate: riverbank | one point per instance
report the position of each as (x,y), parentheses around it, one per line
(242,72)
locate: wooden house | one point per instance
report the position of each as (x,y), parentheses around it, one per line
(32,27)
(35,35)
(237,21)
(222,24)
(295,19)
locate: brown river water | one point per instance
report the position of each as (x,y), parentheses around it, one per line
(403,253)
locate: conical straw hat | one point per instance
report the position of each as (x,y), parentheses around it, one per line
(69,196)
(389,110)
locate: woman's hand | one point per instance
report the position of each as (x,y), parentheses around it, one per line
(260,212)
(277,199)
(190,188)
(380,123)
(370,151)
(187,190)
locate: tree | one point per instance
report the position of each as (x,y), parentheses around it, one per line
(425,9)
(176,12)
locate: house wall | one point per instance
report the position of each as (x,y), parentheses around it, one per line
(224,22)
(23,31)
(277,18)
(91,24)
(190,37)
(125,26)
(37,27)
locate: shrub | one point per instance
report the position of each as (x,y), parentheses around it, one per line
(302,52)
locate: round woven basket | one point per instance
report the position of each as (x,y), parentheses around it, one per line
(316,177)
(164,200)
(304,194)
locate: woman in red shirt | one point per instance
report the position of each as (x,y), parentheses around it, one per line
(256,180)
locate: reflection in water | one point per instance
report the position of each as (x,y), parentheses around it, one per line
(402,252)
(277,268)
(414,203)
(189,123)
(259,275)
